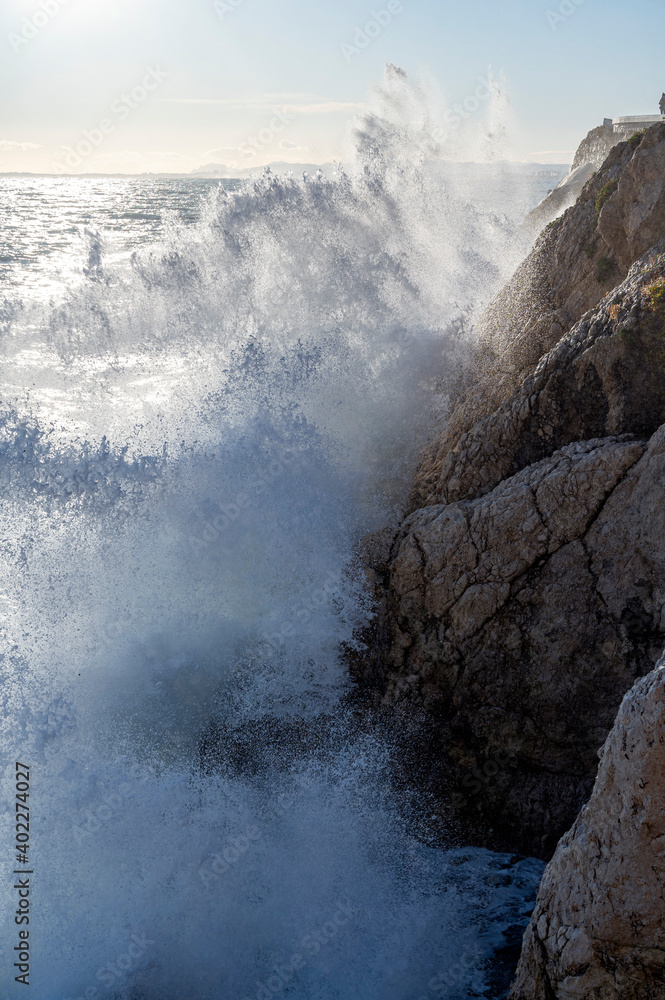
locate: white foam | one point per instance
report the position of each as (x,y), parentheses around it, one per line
(208,431)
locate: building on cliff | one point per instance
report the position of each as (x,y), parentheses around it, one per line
(630,124)
(589,158)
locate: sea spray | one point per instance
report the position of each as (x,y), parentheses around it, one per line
(210,427)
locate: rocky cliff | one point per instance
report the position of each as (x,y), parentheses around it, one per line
(525,591)
(598,930)
(590,157)
(576,261)
(596,147)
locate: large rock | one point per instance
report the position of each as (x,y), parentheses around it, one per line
(596,147)
(605,377)
(518,620)
(576,261)
(631,220)
(522,600)
(589,158)
(598,930)
(524,592)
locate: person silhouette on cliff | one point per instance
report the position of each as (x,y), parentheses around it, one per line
(662,105)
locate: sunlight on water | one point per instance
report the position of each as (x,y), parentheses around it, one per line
(196,432)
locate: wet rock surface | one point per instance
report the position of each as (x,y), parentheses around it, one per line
(598,930)
(576,261)
(524,593)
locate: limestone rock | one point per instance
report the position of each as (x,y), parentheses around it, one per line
(598,930)
(590,157)
(525,591)
(633,219)
(596,147)
(519,619)
(518,610)
(605,377)
(562,197)
(576,261)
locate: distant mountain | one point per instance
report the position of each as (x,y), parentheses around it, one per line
(213,170)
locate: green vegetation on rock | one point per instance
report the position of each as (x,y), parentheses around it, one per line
(656,298)
(604,194)
(591,248)
(605,266)
(636,139)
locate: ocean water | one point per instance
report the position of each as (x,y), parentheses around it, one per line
(207,399)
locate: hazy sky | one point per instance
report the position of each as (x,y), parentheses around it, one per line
(222,68)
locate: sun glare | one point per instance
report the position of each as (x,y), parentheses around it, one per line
(80,14)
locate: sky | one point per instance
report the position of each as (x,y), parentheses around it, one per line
(171,85)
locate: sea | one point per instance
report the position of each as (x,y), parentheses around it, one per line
(209,394)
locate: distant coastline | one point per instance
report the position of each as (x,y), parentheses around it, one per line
(328,169)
